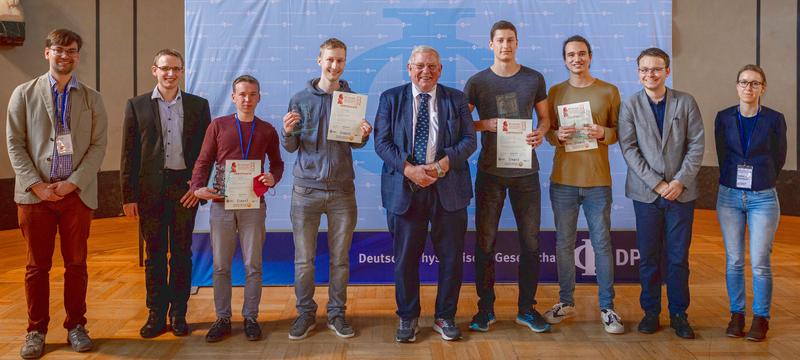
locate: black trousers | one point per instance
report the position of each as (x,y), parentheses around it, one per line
(166,227)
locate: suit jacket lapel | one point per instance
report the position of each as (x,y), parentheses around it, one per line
(669,112)
(156,122)
(188,122)
(407,106)
(44,90)
(649,118)
(443,116)
(76,102)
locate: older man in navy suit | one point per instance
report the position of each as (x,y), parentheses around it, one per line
(424,134)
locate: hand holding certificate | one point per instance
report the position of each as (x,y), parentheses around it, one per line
(578,116)
(513,150)
(347,112)
(239,193)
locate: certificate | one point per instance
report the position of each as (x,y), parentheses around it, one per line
(347,112)
(513,150)
(580,116)
(239,193)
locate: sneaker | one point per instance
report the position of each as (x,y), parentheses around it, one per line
(558,313)
(735,326)
(447,328)
(534,321)
(680,323)
(302,326)
(612,322)
(79,338)
(407,331)
(252,330)
(219,330)
(33,348)
(340,326)
(482,320)
(758,330)
(649,324)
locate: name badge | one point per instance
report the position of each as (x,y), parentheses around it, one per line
(64,144)
(744,176)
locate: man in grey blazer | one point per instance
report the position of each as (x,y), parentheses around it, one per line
(661,136)
(56,137)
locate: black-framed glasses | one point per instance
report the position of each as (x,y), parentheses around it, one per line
(753,84)
(654,70)
(168,68)
(59,51)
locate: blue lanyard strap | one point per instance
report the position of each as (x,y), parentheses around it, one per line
(746,142)
(249,142)
(64,100)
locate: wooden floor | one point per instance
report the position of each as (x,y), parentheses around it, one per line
(116,311)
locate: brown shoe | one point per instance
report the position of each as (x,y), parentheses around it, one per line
(735,326)
(758,330)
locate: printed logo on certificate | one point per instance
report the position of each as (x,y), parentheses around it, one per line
(347,112)
(580,116)
(513,150)
(239,193)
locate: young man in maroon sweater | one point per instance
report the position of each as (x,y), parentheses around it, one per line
(239,136)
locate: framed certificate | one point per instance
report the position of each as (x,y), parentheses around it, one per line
(579,115)
(513,150)
(347,112)
(239,193)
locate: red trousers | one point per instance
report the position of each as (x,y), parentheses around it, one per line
(39,223)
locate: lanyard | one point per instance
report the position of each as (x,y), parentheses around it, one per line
(249,142)
(746,142)
(64,100)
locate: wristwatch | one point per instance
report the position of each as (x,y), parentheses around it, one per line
(439,171)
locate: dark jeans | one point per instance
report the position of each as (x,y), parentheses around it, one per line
(166,226)
(39,223)
(410,232)
(664,232)
(525,197)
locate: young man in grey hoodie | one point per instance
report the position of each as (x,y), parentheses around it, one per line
(323,184)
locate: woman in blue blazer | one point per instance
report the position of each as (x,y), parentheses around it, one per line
(751,148)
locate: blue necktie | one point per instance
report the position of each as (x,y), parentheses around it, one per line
(421,131)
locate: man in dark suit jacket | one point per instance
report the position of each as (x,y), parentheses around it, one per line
(162,135)
(424,134)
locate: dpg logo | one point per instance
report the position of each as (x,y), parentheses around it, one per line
(584,258)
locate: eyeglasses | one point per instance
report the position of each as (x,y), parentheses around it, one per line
(59,51)
(644,71)
(421,66)
(753,84)
(168,68)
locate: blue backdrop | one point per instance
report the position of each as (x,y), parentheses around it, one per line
(278,42)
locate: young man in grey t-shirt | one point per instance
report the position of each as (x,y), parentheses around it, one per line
(511,91)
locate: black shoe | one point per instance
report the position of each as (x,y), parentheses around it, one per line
(251,329)
(735,326)
(681,325)
(758,330)
(179,326)
(219,330)
(155,325)
(649,323)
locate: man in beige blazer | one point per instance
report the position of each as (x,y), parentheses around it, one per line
(56,136)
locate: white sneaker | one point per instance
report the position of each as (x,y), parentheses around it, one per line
(558,313)
(612,322)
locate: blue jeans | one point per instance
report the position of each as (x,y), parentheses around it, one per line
(525,197)
(596,201)
(663,236)
(308,205)
(760,212)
